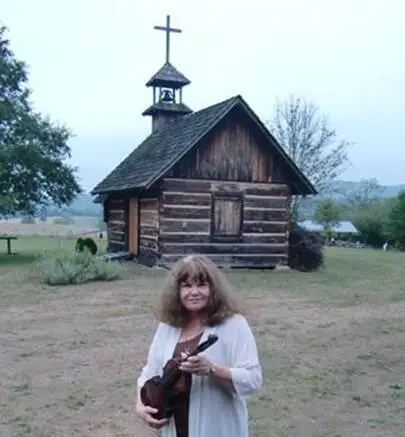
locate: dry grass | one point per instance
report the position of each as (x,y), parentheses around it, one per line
(332,345)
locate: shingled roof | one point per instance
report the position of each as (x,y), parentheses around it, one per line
(167,107)
(166,146)
(168,76)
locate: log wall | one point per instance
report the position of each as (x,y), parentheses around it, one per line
(116,215)
(186,220)
(148,230)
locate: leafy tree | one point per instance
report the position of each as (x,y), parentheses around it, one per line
(371,221)
(33,149)
(310,141)
(327,214)
(396,220)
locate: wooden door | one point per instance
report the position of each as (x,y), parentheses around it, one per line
(227,217)
(133,226)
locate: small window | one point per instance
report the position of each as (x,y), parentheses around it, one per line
(227,216)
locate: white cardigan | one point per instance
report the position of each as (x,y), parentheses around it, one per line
(214,410)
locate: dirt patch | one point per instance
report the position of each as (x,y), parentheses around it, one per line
(69,365)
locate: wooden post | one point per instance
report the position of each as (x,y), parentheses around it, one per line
(133,226)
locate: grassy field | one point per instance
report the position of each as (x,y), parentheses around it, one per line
(27,248)
(332,346)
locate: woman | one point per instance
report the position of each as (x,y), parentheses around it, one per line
(196,302)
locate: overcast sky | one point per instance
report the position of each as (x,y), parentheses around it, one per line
(89,61)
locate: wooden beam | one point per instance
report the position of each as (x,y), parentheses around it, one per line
(224,248)
(204,185)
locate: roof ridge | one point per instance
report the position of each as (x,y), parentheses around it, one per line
(215,105)
(184,118)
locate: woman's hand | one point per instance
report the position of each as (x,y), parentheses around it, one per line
(145,413)
(198,365)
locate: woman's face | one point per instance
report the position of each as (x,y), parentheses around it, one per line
(194,295)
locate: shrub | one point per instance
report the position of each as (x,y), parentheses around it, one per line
(107,271)
(86,243)
(305,252)
(77,268)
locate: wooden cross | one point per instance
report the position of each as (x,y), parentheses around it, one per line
(167,29)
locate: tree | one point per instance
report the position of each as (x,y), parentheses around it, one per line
(396,220)
(327,214)
(309,140)
(33,149)
(371,221)
(366,193)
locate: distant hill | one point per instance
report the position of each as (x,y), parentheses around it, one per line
(346,187)
(340,190)
(84,205)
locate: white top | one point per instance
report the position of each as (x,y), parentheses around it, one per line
(214,410)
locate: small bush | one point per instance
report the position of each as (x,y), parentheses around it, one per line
(107,271)
(86,243)
(77,268)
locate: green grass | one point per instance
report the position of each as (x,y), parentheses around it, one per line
(351,276)
(331,344)
(18,272)
(28,248)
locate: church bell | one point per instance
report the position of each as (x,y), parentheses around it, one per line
(166,96)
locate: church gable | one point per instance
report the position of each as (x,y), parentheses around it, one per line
(231,151)
(234,151)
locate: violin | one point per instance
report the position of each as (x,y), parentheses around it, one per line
(158,392)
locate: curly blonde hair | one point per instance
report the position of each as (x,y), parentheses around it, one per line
(222,302)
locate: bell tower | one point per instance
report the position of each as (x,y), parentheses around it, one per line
(167,85)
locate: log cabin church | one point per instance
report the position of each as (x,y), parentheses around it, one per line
(213,181)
